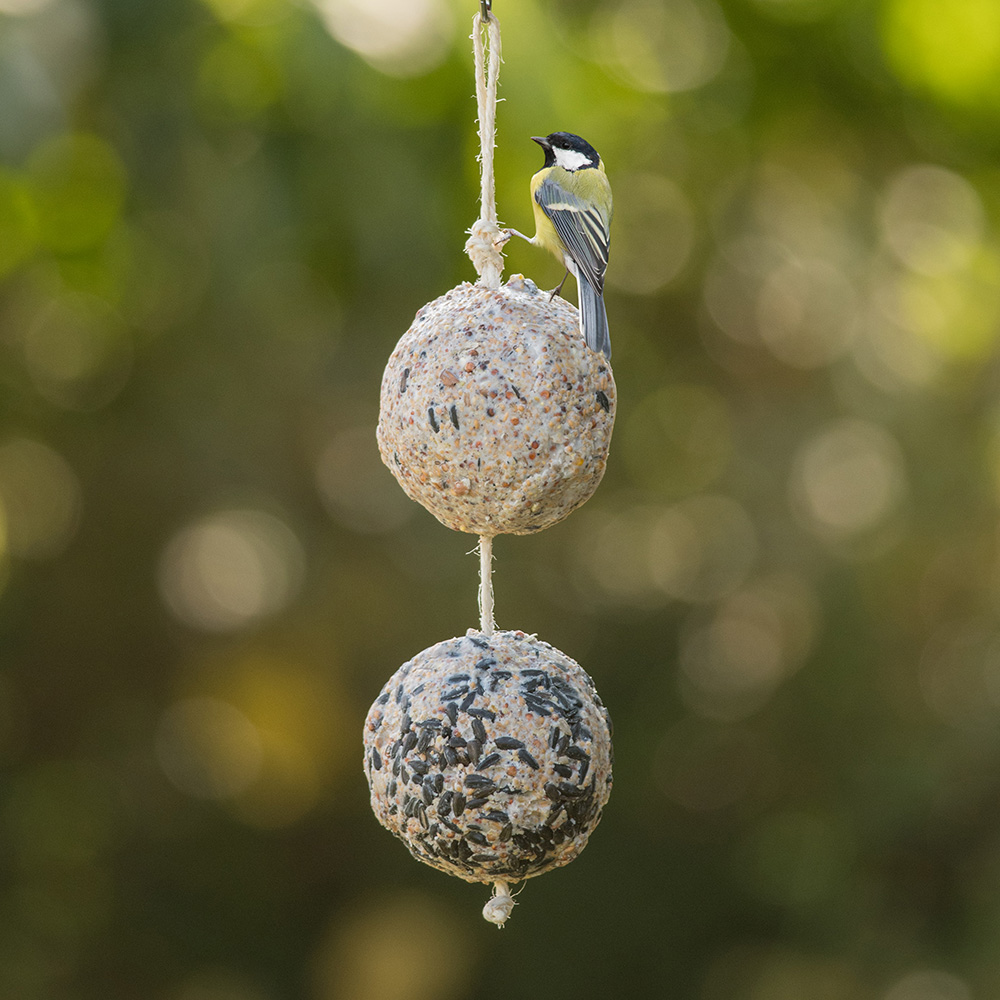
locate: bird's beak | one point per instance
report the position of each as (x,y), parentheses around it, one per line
(542,141)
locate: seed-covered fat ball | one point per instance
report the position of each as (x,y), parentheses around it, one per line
(495,415)
(489,756)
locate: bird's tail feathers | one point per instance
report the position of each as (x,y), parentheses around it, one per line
(593,318)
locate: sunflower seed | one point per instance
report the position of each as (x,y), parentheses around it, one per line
(508,743)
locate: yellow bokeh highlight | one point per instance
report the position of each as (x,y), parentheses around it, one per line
(17,223)
(289,697)
(950,49)
(250,12)
(407,947)
(298,720)
(41,498)
(237,81)
(300,728)
(957,313)
(77,186)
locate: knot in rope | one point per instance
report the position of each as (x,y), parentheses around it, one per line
(484,252)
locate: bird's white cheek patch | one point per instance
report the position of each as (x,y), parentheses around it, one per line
(571,159)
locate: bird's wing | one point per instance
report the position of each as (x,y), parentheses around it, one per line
(583,228)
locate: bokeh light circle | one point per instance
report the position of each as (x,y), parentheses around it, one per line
(208,748)
(231,568)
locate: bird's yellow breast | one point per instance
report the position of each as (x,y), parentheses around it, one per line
(545,233)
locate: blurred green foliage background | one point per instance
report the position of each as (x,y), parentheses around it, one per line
(216,219)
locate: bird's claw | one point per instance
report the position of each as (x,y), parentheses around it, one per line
(505,235)
(558,289)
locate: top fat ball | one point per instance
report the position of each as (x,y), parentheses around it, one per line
(495,415)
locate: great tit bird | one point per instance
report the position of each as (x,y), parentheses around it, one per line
(572,204)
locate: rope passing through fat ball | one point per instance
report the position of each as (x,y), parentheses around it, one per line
(487,622)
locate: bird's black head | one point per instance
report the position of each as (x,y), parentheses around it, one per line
(563,149)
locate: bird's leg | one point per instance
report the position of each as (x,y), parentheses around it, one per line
(506,234)
(555,291)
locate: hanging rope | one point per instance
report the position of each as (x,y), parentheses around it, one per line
(488,261)
(486,622)
(482,243)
